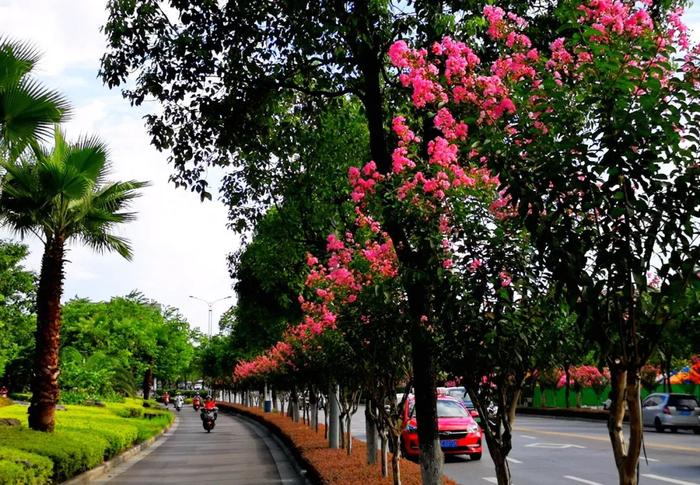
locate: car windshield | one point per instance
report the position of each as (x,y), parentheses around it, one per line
(461,395)
(684,402)
(450,409)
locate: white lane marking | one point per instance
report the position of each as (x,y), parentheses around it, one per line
(651,459)
(528,436)
(553,446)
(668,480)
(491,479)
(581,480)
(513,460)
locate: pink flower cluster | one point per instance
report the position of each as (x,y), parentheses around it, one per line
(616,17)
(586,376)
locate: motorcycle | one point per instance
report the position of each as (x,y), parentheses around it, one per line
(178,404)
(196,403)
(208,418)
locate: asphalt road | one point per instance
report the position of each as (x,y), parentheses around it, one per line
(550,451)
(237,451)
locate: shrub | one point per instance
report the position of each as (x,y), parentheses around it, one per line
(84,436)
(21,396)
(70,451)
(21,467)
(5,402)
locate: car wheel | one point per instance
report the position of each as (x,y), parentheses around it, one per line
(696,430)
(674,430)
(475,457)
(657,426)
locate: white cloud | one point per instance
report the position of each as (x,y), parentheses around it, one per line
(180,244)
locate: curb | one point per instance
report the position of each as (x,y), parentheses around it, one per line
(97,473)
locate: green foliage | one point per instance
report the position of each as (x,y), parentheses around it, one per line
(108,346)
(84,435)
(23,468)
(17,293)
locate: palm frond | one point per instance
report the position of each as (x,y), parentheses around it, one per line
(89,156)
(28,110)
(17,59)
(102,242)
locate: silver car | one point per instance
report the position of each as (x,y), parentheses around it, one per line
(672,411)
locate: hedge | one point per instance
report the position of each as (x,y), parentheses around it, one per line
(84,437)
(21,467)
(324,465)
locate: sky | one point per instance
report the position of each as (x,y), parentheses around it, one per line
(180,244)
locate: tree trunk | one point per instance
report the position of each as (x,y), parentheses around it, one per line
(625,390)
(431,457)
(341,424)
(371,432)
(348,430)
(385,465)
(44,386)
(513,406)
(395,457)
(147,383)
(333,414)
(501,465)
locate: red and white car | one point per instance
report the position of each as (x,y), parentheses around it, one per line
(459,433)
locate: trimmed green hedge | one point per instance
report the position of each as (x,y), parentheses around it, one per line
(85,436)
(21,467)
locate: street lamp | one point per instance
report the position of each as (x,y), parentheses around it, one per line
(210,304)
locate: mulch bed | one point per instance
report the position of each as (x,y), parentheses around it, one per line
(324,465)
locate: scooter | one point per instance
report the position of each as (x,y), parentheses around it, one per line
(196,403)
(208,419)
(178,405)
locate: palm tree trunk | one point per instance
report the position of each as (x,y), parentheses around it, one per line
(48,333)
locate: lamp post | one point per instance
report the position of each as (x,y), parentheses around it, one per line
(210,304)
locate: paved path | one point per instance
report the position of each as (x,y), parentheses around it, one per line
(237,451)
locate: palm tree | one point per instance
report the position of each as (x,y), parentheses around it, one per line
(61,195)
(28,111)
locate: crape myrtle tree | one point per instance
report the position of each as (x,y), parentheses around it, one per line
(310,201)
(219,70)
(61,195)
(352,333)
(595,148)
(503,320)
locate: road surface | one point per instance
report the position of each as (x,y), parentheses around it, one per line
(550,451)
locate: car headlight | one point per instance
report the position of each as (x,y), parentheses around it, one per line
(473,428)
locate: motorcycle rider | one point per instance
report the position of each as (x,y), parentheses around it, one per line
(196,401)
(210,405)
(179,401)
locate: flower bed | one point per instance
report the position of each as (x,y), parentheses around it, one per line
(85,436)
(324,465)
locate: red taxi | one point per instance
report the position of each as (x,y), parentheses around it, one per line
(459,433)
